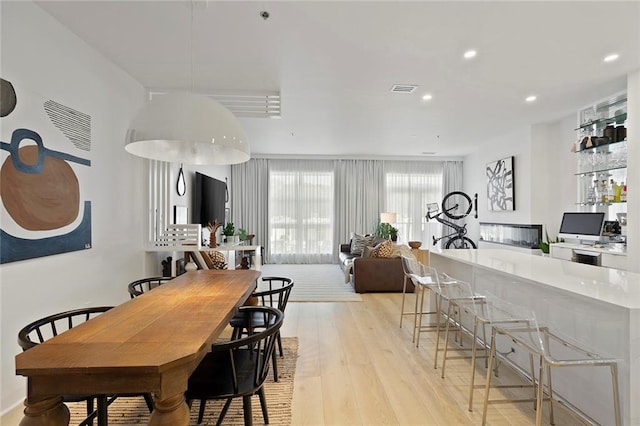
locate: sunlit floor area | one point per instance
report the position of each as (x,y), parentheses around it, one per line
(357,367)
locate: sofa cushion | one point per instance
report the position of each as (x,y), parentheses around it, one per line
(359,242)
(368,251)
(384,249)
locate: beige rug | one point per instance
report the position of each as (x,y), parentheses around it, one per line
(133,411)
(314,283)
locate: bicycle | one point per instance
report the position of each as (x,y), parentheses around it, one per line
(455,205)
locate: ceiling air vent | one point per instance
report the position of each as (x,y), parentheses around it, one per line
(403,88)
(258,105)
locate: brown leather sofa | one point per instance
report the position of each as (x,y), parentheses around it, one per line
(374,274)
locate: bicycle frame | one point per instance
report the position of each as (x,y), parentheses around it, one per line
(460,231)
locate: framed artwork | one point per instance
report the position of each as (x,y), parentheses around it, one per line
(500,185)
(45,157)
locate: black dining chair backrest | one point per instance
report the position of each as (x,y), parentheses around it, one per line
(237,368)
(143,285)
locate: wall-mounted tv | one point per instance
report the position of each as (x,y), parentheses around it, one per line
(582,226)
(209,200)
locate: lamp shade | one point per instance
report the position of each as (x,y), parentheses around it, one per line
(388,217)
(187,128)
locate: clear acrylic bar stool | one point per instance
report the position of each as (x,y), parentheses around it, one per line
(543,344)
(424,278)
(459,299)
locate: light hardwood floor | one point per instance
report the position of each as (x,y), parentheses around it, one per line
(357,367)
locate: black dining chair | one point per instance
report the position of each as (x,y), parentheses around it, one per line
(237,368)
(48,327)
(276,297)
(143,285)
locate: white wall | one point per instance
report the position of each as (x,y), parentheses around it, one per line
(40,54)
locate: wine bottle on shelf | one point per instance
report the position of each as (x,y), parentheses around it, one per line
(611,191)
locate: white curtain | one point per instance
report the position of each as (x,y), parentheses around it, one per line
(451,181)
(301,211)
(359,198)
(410,186)
(249,200)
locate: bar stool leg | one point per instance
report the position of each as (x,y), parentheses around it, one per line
(404,292)
(417,291)
(540,393)
(438,316)
(446,340)
(551,419)
(473,363)
(420,317)
(492,354)
(533,380)
(616,395)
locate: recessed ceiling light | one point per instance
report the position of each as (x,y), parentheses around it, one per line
(530,98)
(470,54)
(427,97)
(611,58)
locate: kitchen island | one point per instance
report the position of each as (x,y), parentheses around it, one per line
(599,308)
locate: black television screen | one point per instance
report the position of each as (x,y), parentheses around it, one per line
(209,200)
(581,226)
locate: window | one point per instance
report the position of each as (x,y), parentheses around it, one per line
(301,212)
(409,187)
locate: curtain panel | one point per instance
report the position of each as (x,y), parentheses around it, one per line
(250,200)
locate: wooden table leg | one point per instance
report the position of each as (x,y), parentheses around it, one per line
(172,411)
(45,412)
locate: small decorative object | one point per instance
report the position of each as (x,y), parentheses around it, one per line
(500,185)
(181,186)
(415,244)
(213,228)
(166,267)
(243,234)
(544,245)
(191,266)
(217,260)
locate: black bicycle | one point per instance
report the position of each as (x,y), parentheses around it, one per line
(455,205)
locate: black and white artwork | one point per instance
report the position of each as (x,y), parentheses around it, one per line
(500,185)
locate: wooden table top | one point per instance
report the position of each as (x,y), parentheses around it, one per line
(166,330)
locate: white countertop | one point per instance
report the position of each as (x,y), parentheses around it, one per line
(621,288)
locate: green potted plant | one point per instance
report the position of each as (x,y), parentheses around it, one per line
(386,230)
(228,231)
(544,245)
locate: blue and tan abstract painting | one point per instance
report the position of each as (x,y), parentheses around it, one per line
(44,150)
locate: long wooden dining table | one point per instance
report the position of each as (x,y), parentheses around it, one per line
(150,344)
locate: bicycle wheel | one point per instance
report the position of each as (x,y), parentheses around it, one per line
(460,243)
(456,205)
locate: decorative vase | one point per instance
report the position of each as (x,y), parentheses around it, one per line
(212,240)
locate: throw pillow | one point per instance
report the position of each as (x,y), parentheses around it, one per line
(359,242)
(368,251)
(384,249)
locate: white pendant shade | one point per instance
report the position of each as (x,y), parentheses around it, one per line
(388,217)
(187,128)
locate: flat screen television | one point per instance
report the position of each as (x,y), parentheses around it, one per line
(582,226)
(209,200)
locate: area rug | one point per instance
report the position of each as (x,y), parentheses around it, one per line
(314,283)
(133,411)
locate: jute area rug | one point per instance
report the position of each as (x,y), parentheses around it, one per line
(314,283)
(133,411)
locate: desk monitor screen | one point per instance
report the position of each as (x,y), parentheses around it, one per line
(582,226)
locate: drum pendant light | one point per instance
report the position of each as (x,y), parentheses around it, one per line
(187,128)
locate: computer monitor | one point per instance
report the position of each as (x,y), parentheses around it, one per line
(582,226)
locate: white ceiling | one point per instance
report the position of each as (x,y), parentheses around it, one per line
(335,62)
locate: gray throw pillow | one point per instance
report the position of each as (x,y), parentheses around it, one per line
(359,242)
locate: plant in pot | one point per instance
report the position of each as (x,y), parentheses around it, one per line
(544,245)
(228,231)
(385,230)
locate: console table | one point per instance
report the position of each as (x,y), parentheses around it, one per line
(149,344)
(597,307)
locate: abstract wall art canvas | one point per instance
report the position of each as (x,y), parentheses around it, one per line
(45,165)
(500,185)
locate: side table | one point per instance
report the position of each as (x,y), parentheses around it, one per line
(422,255)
